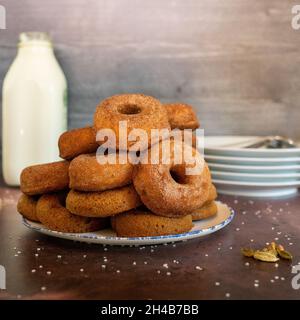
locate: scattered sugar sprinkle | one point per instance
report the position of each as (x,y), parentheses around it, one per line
(81,270)
(168,273)
(198,268)
(217,283)
(49,273)
(247,264)
(165,265)
(43,288)
(158,271)
(58,256)
(33,271)
(134,263)
(118,271)
(227,295)
(103,266)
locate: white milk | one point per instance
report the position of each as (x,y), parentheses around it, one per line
(34,108)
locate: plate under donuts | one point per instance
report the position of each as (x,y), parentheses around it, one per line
(201,228)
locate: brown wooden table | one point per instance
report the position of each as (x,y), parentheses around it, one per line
(42,267)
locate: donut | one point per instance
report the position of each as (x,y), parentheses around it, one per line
(143,223)
(182,116)
(194,139)
(52,213)
(212,195)
(27,207)
(102,204)
(87,174)
(165,188)
(208,210)
(45,178)
(77,141)
(138,110)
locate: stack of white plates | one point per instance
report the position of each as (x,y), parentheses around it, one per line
(252,172)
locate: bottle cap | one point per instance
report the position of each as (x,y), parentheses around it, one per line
(34,38)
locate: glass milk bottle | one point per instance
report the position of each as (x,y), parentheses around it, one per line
(34,107)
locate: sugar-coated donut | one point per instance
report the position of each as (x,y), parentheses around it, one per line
(77,141)
(143,223)
(87,174)
(102,204)
(166,189)
(138,110)
(193,141)
(45,178)
(27,207)
(212,195)
(182,116)
(208,210)
(52,213)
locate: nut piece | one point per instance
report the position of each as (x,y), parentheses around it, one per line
(247,252)
(266,256)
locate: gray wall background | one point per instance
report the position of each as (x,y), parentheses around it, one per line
(236,61)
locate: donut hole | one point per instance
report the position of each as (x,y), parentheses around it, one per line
(178,177)
(129,109)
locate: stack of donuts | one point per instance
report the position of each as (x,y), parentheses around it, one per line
(79,194)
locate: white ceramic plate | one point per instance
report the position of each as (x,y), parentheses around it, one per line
(200,229)
(254,169)
(256,189)
(233,146)
(253,177)
(253,161)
